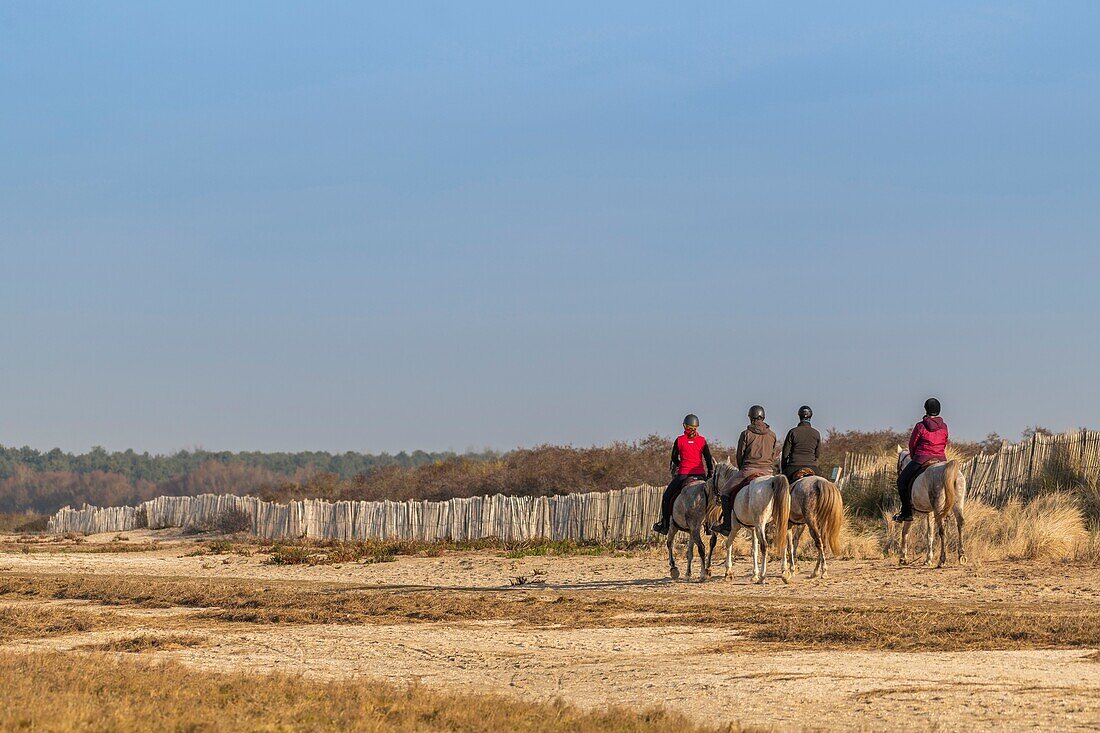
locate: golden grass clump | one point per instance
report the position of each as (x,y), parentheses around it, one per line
(94,692)
(1049,527)
(37,622)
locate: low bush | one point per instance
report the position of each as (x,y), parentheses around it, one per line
(232,521)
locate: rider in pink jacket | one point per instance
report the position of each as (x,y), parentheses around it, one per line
(927,444)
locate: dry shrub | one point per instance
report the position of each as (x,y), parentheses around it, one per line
(98,692)
(231,521)
(858,540)
(20,522)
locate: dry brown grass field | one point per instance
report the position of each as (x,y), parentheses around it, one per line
(156,630)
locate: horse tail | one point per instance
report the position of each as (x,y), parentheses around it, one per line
(781,493)
(950,476)
(830,514)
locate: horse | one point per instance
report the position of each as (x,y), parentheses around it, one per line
(756,504)
(816,504)
(689,512)
(940,489)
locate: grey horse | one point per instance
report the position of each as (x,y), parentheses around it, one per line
(689,513)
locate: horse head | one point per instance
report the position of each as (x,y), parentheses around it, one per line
(903,458)
(722,472)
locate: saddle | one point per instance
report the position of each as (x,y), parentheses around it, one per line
(802,473)
(745,481)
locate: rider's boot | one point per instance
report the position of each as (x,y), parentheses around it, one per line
(906,513)
(661,526)
(727,519)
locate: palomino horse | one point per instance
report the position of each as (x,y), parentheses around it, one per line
(756,504)
(688,514)
(816,505)
(939,490)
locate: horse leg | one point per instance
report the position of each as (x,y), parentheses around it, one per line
(815,535)
(698,538)
(941,530)
(794,549)
(691,551)
(729,555)
(763,542)
(710,554)
(672,569)
(931,540)
(959,524)
(757,573)
(904,549)
(785,568)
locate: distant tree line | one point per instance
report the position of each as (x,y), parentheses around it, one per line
(145,467)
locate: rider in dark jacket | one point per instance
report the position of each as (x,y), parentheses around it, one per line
(927,445)
(690,461)
(757,454)
(801,447)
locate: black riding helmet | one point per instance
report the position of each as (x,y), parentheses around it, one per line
(805,413)
(931,407)
(691,421)
(756,412)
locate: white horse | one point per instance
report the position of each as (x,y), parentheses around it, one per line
(940,489)
(816,504)
(756,504)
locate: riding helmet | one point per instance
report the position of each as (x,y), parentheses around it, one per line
(756,412)
(805,413)
(691,421)
(932,407)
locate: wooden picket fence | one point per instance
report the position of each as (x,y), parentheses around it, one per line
(624,514)
(1015,470)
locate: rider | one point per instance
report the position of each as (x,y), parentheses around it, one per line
(689,454)
(757,453)
(927,445)
(801,446)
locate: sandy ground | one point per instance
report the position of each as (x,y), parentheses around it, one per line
(645,665)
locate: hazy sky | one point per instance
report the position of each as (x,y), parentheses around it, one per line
(377,226)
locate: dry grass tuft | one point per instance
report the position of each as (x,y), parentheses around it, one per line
(95,692)
(147,643)
(26,621)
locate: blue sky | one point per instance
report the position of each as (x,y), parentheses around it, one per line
(372,226)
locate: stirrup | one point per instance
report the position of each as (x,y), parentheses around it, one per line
(901,517)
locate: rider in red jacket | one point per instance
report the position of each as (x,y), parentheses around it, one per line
(691,461)
(927,445)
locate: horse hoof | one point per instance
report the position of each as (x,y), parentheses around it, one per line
(787,578)
(674,572)
(815,574)
(824,574)
(903,561)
